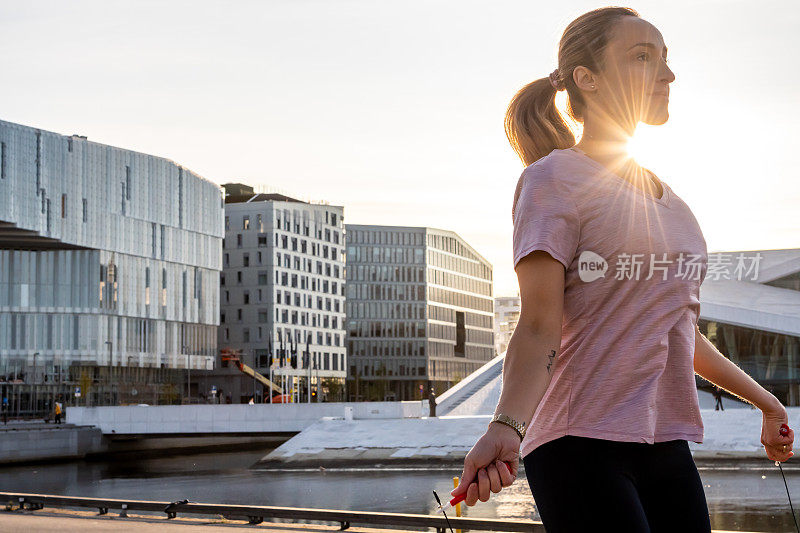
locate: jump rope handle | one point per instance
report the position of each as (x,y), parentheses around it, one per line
(784,431)
(463,496)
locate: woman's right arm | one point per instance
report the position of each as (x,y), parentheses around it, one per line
(527,370)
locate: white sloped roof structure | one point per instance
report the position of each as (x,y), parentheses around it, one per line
(750,302)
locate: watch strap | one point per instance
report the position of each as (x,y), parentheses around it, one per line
(519,427)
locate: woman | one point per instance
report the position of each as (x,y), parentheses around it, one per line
(609,261)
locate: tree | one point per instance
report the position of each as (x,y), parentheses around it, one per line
(334,387)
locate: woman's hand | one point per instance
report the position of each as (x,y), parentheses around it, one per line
(499,443)
(771,438)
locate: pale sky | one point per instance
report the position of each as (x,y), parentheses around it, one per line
(395,109)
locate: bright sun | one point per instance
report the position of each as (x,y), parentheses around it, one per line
(642,149)
(647,146)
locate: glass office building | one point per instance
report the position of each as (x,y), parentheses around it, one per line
(419,311)
(109,272)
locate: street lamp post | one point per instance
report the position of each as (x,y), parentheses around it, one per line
(35,403)
(255,369)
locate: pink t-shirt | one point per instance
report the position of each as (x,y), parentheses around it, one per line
(625,371)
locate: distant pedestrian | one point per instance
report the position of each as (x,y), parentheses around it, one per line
(718,395)
(5,409)
(58,412)
(432,403)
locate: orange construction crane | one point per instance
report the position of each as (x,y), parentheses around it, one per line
(234,356)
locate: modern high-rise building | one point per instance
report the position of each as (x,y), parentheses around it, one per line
(283,291)
(506,316)
(419,311)
(109,272)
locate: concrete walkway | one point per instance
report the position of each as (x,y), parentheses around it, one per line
(67,521)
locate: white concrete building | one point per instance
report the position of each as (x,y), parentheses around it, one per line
(506,316)
(283,288)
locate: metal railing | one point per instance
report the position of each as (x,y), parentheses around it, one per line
(255,514)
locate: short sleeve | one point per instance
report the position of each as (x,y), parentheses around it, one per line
(545,217)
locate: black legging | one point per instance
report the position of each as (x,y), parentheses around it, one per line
(586,484)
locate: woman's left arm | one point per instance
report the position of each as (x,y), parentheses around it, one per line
(721,371)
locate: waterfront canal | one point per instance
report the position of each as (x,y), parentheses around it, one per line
(747,497)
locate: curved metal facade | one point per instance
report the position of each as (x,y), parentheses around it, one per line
(107,256)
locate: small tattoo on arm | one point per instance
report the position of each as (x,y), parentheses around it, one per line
(551,356)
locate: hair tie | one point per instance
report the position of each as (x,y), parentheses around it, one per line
(554,80)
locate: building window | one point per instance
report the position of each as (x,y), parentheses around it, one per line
(227,223)
(2,160)
(85,211)
(180,197)
(246,335)
(163,287)
(246,222)
(183,285)
(246,297)
(238,276)
(147,286)
(258,222)
(262,241)
(263,277)
(238,240)
(63,206)
(246,259)
(198,283)
(239,315)
(127,182)
(227,259)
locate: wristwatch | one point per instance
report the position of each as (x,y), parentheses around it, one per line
(519,427)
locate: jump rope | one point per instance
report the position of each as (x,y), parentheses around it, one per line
(784,431)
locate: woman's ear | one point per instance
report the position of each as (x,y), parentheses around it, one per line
(584,78)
